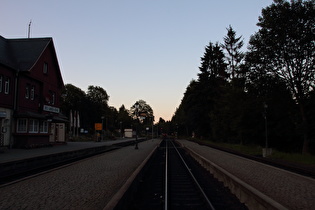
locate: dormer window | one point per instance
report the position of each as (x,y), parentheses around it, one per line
(45,68)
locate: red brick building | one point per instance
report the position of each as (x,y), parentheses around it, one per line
(30,93)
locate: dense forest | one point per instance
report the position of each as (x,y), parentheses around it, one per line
(263,95)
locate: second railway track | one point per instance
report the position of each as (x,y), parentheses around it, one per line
(173,180)
(183,190)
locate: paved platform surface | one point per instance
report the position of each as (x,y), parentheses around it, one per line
(19,154)
(87,184)
(289,189)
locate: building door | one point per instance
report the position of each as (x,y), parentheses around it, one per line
(57,132)
(61,132)
(52,132)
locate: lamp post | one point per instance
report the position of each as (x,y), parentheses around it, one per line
(137,115)
(266,127)
(102,128)
(266,151)
(120,130)
(152,128)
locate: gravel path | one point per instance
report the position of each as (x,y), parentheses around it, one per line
(289,189)
(88,184)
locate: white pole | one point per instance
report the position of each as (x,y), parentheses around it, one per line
(29,29)
(152,129)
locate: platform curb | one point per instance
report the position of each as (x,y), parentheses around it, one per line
(120,193)
(247,194)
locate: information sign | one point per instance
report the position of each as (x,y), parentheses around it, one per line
(98,126)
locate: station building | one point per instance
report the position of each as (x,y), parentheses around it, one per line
(30,93)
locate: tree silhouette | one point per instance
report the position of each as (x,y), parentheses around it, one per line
(232,45)
(284,47)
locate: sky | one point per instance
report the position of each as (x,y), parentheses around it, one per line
(134,49)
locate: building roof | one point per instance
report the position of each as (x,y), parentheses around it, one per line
(22,54)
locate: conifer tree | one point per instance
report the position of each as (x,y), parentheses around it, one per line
(232,45)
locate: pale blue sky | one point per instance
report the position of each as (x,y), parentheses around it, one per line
(134,49)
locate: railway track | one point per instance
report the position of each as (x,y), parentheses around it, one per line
(183,191)
(173,180)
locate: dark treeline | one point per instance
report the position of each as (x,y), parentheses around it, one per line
(239,94)
(93,108)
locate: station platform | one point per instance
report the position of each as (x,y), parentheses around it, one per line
(10,155)
(281,189)
(87,184)
(14,162)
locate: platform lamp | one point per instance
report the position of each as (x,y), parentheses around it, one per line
(120,129)
(266,125)
(102,127)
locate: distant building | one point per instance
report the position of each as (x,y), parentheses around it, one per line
(30,93)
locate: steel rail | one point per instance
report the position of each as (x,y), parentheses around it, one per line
(166,177)
(195,180)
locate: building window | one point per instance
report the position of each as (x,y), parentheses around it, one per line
(43,127)
(32,92)
(53,97)
(27,92)
(0,83)
(21,125)
(7,86)
(45,68)
(33,126)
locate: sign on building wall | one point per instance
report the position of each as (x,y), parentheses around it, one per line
(3,114)
(51,109)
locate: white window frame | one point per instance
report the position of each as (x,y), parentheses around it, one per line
(33,126)
(7,86)
(45,68)
(21,125)
(32,93)
(53,98)
(1,79)
(43,127)
(27,92)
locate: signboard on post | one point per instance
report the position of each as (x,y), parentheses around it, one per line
(128,133)
(98,126)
